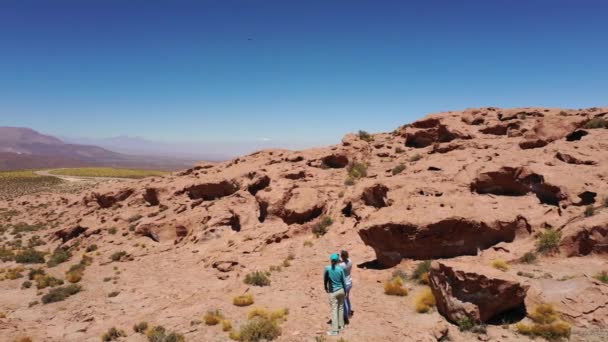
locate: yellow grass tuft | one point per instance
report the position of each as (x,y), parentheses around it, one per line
(213,317)
(258,312)
(547,323)
(500,265)
(226,325)
(424,301)
(243,300)
(394,287)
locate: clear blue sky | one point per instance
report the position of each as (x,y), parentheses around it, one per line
(305,71)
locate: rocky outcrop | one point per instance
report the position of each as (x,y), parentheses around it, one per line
(533,143)
(301,205)
(210,191)
(110,199)
(446,238)
(520,181)
(479,294)
(335,161)
(151,196)
(419,138)
(375,196)
(500,129)
(567,158)
(586,240)
(258,183)
(148,230)
(70,233)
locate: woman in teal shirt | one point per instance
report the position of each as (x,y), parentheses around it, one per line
(335,285)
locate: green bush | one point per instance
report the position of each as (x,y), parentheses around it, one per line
(465,324)
(59,256)
(363,135)
(257,278)
(118,255)
(589,211)
(25,228)
(415,157)
(91,248)
(398,169)
(528,258)
(421,269)
(548,241)
(60,293)
(596,123)
(602,276)
(30,256)
(321,228)
(357,170)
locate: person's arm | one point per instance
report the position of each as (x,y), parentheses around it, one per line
(326,281)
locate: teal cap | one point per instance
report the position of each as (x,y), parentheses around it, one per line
(334,257)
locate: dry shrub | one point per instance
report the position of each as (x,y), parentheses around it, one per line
(394,287)
(140,327)
(259,329)
(75,273)
(113,334)
(547,323)
(243,300)
(424,301)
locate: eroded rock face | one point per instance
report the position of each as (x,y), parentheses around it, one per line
(449,237)
(258,183)
(462,292)
(70,233)
(567,158)
(210,191)
(533,143)
(426,137)
(302,205)
(335,161)
(148,230)
(375,196)
(586,240)
(109,199)
(509,181)
(151,196)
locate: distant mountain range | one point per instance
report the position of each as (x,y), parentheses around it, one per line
(22,148)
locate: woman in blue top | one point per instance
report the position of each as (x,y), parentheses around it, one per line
(335,283)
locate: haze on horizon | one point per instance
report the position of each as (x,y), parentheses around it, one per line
(280,73)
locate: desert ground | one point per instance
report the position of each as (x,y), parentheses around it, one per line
(486,224)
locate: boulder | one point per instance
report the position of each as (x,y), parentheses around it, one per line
(449,237)
(108,200)
(517,181)
(301,205)
(70,233)
(210,191)
(479,294)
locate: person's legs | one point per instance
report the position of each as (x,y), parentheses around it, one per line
(340,299)
(347,306)
(333,300)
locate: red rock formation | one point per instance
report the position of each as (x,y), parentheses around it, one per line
(477,293)
(446,238)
